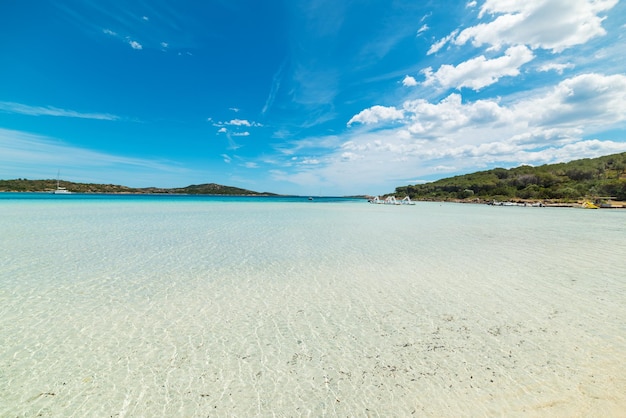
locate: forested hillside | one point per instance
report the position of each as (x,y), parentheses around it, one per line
(597,178)
(24,185)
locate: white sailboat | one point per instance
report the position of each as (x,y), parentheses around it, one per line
(59,189)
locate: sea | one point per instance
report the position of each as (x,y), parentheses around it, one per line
(202,306)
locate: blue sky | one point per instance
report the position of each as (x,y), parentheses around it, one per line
(330,97)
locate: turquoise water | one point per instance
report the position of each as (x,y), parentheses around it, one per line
(208,306)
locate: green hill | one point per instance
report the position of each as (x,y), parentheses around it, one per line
(24,185)
(589,178)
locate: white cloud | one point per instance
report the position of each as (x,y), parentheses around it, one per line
(227,158)
(135,45)
(586,101)
(450,115)
(434,48)
(377,114)
(423,29)
(236,122)
(544,126)
(480,72)
(310,161)
(109,32)
(11,107)
(245,133)
(559,68)
(222,130)
(548,24)
(409,81)
(164,45)
(239,122)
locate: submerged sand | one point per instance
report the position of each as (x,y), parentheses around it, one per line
(328,310)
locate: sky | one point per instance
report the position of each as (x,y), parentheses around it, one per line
(306,97)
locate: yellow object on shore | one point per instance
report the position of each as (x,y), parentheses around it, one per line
(589,205)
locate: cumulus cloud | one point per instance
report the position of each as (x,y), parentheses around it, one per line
(409,81)
(431,120)
(575,105)
(479,72)
(586,100)
(548,24)
(135,45)
(543,126)
(377,114)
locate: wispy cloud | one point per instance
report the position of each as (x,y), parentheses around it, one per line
(440,43)
(559,68)
(42,156)
(23,109)
(275,86)
(236,122)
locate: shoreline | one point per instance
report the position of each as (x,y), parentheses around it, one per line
(548,203)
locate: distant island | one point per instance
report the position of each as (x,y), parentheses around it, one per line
(24,185)
(599,180)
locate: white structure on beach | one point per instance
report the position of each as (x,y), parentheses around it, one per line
(391,200)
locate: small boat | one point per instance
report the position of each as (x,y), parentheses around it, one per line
(59,189)
(589,205)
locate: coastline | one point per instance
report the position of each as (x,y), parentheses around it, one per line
(548,203)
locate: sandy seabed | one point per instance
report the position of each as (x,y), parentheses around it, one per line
(328,310)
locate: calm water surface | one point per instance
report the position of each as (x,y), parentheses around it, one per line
(203,306)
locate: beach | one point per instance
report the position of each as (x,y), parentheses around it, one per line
(127,308)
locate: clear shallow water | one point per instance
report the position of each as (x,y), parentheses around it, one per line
(178,306)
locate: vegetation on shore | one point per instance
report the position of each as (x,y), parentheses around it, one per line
(24,185)
(595,179)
